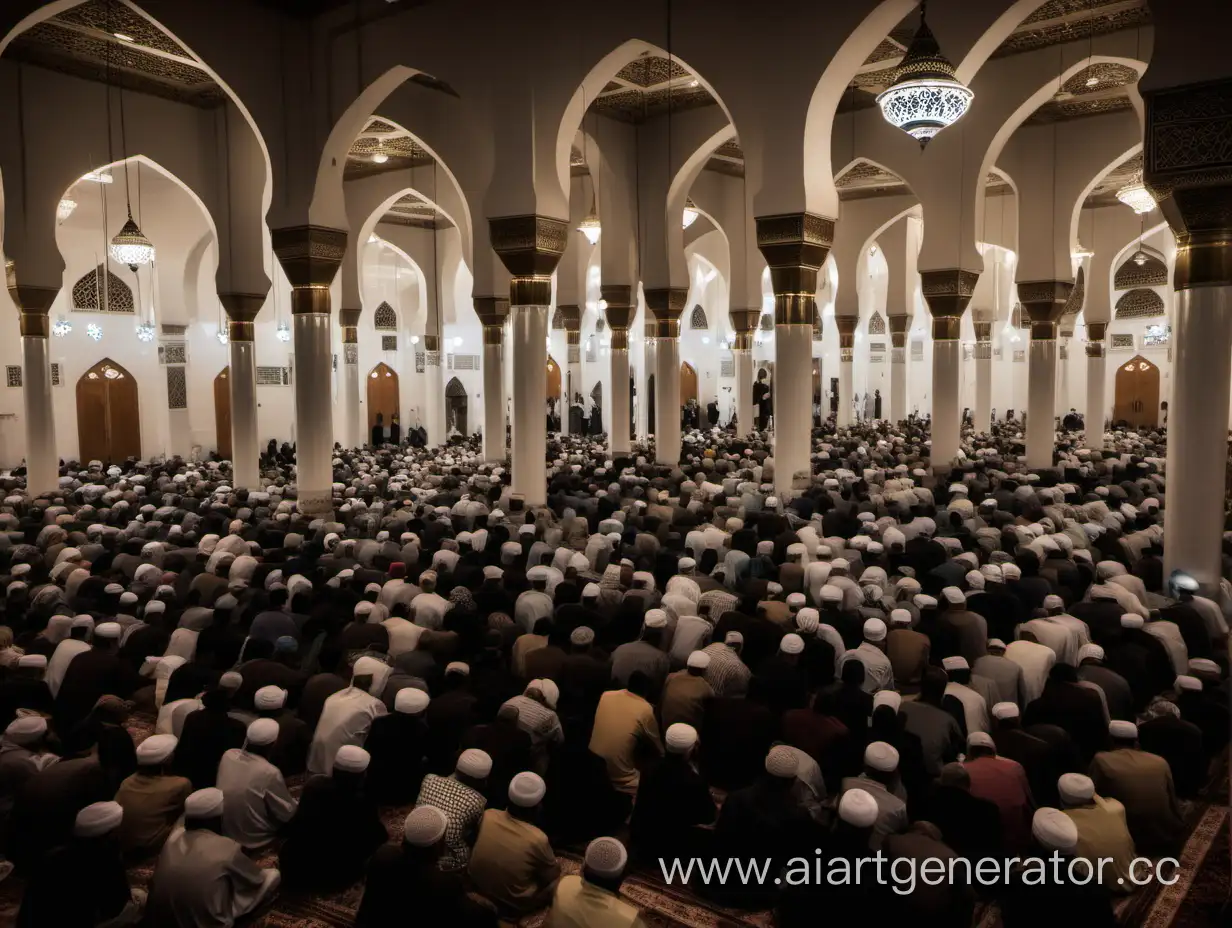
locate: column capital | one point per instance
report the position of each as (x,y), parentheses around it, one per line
(947,292)
(33,305)
(348,318)
(620,307)
(795,240)
(846,333)
(309,255)
(242,307)
(572,315)
(1043,302)
(492,310)
(899,326)
(1096,331)
(983,331)
(529,246)
(744,321)
(1185,165)
(1095,349)
(667,303)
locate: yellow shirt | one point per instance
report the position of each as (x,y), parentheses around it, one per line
(1102,832)
(623,723)
(579,904)
(512,862)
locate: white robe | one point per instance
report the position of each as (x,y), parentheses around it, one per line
(63,655)
(256,799)
(345,719)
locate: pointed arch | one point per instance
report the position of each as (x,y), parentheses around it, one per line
(385,319)
(1077,295)
(1139,304)
(558,319)
(1143,268)
(102,291)
(697,319)
(108,413)
(455,388)
(876,323)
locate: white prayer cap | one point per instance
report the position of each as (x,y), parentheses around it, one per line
(1132,620)
(590,591)
(1004,710)
(527,790)
(474,763)
(98,819)
(458,667)
(796,600)
(155,607)
(700,660)
(686,563)
(996,644)
(680,737)
(231,680)
(655,618)
(606,857)
(108,630)
(33,660)
(857,807)
(537,574)
(269,697)
(953,595)
(975,580)
(840,563)
(1052,601)
(1126,731)
(1091,651)
(733,638)
(898,617)
(807,619)
(263,731)
(26,730)
(82,621)
(352,759)
(831,594)
(424,826)
(204,803)
(782,762)
(582,636)
(410,701)
(957,662)
(923,601)
(1186,683)
(874,630)
(881,756)
(1075,788)
(891,698)
(980,739)
(113,589)
(549,689)
(793,643)
(1011,572)
(156,749)
(1054,829)
(1203,665)
(991,573)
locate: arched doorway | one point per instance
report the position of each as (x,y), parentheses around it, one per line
(222,412)
(455,408)
(108,414)
(554,405)
(688,382)
(650,405)
(1137,393)
(382,395)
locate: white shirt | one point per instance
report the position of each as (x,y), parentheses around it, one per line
(256,800)
(531,606)
(345,719)
(975,708)
(1170,634)
(63,655)
(172,715)
(878,672)
(1036,661)
(430,609)
(403,635)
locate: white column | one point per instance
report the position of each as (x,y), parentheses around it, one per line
(573,375)
(1063,400)
(846,370)
(1097,373)
(947,357)
(1198,433)
(245,443)
(528,347)
(493,395)
(983,386)
(742,358)
(1041,401)
(793,408)
(42,465)
(354,426)
(898,384)
(432,406)
(314,441)
(650,360)
(618,438)
(667,394)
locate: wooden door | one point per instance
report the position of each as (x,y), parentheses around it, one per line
(1137,393)
(455,408)
(108,414)
(553,379)
(688,383)
(222,412)
(650,404)
(383,395)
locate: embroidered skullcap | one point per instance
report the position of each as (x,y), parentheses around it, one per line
(98,819)
(700,660)
(686,563)
(590,591)
(204,803)
(1132,620)
(231,681)
(796,600)
(1011,572)
(352,759)
(549,689)
(953,595)
(26,730)
(113,589)
(891,698)
(110,630)
(1090,651)
(857,808)
(655,618)
(733,638)
(831,594)
(410,701)
(899,617)
(765,547)
(1075,788)
(782,762)
(957,662)
(582,636)
(1120,728)
(1052,601)
(923,601)
(980,739)
(262,731)
(874,630)
(156,749)
(807,620)
(526,790)
(1004,710)
(424,826)
(791,643)
(680,737)
(606,857)
(474,763)
(991,573)
(881,756)
(1054,829)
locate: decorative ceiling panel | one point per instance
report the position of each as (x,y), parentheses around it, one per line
(730,149)
(1077,108)
(886,51)
(1059,9)
(1139,304)
(1150,273)
(1105,74)
(1079,26)
(380,125)
(651,70)
(1104,192)
(116,17)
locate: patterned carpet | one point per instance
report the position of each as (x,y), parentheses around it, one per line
(1196,900)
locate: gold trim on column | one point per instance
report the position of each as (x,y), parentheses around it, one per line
(572,315)
(744,321)
(620,310)
(794,309)
(34,324)
(350,335)
(1203,259)
(794,240)
(530,291)
(846,326)
(947,291)
(492,310)
(947,328)
(242,307)
(1043,303)
(432,343)
(310,301)
(1043,331)
(1096,331)
(666,302)
(239,330)
(529,246)
(743,342)
(899,326)
(665,328)
(493,334)
(310,255)
(1095,349)
(348,317)
(983,331)
(573,337)
(620,339)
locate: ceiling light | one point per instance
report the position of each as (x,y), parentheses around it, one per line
(457,342)
(1140,258)
(123,38)
(284,332)
(61,327)
(705,339)
(414,339)
(131,247)
(1136,197)
(98,177)
(590,226)
(690,212)
(146,332)
(1092,81)
(223,337)
(95,331)
(602,304)
(65,209)
(380,156)
(925,97)
(693,83)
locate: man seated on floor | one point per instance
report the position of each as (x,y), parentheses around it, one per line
(512,863)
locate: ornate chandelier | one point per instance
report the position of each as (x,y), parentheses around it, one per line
(146,332)
(690,212)
(590,226)
(1137,197)
(1140,258)
(61,327)
(65,208)
(925,96)
(131,247)
(284,332)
